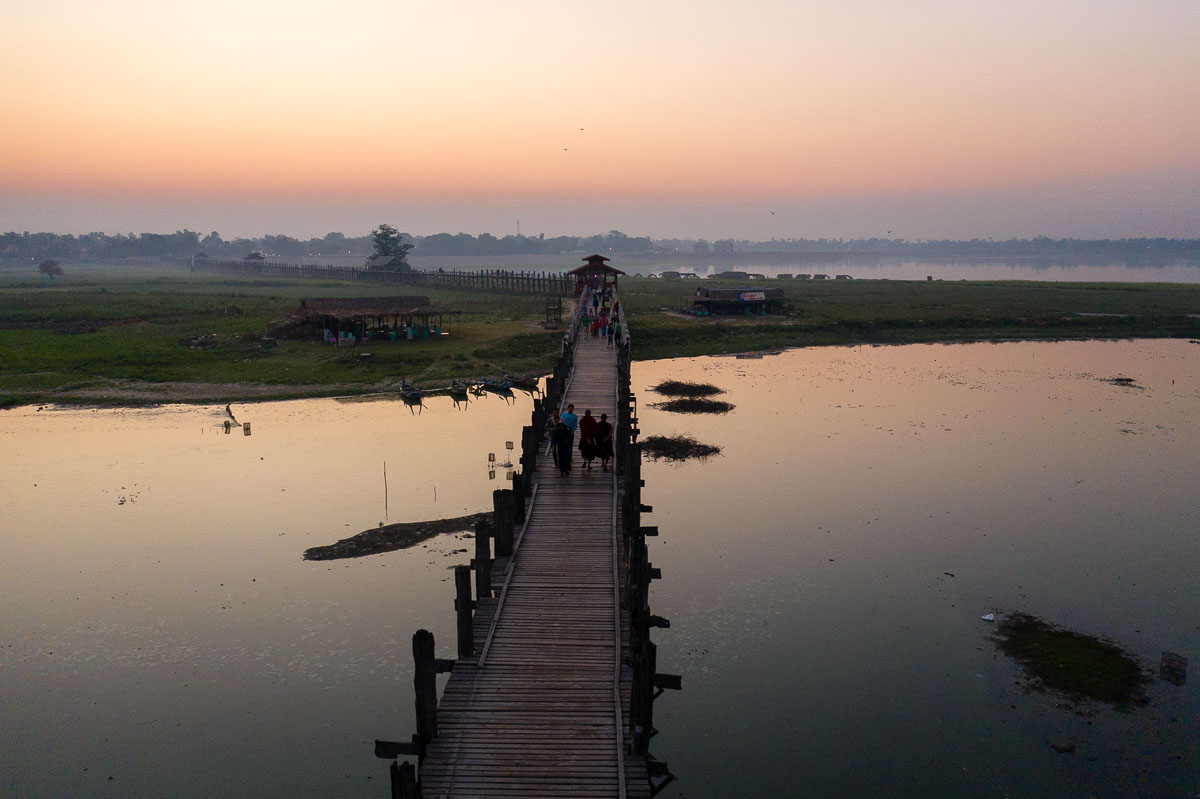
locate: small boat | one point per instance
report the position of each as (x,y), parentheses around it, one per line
(458,390)
(523,384)
(501,388)
(411,395)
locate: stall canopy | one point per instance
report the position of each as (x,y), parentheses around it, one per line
(358,318)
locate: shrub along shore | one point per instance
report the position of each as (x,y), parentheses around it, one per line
(149,336)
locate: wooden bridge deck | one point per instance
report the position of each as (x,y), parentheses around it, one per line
(542,708)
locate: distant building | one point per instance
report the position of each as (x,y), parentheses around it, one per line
(843,277)
(387,263)
(737,301)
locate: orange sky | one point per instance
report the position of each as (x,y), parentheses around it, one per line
(692,115)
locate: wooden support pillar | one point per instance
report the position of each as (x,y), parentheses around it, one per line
(463,607)
(503,510)
(529,443)
(522,486)
(483,559)
(425,686)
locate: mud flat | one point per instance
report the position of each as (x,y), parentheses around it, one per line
(391,537)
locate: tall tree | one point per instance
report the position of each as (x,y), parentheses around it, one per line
(50,268)
(389,241)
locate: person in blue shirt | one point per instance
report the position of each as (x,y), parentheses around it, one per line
(571,418)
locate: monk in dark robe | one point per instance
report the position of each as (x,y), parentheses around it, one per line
(604,440)
(587,438)
(562,438)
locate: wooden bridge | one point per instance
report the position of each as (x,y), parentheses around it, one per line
(506,281)
(553,689)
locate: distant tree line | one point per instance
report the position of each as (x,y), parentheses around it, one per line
(38,247)
(1040,246)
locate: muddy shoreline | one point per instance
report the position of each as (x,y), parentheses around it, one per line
(391,537)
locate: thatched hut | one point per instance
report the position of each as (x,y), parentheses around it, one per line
(752,301)
(360,319)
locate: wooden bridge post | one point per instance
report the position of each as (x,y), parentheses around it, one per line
(529,441)
(503,509)
(463,607)
(522,485)
(483,560)
(404,781)
(425,686)
(539,418)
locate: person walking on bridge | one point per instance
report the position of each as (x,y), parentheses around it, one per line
(587,438)
(571,420)
(561,440)
(604,441)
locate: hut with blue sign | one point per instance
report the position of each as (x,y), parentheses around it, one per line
(752,301)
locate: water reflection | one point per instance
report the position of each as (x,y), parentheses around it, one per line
(826,576)
(155,601)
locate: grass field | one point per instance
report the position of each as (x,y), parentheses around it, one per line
(121,334)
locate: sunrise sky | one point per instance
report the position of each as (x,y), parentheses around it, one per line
(951,118)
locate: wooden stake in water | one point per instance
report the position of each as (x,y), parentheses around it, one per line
(385,504)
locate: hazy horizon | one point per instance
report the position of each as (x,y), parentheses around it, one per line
(937,120)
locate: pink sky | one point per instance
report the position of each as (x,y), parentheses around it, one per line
(937,119)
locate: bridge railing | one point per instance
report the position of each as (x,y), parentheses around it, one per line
(490,280)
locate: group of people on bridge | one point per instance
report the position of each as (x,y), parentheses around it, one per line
(599,316)
(595,439)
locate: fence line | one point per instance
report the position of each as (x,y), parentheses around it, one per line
(491,280)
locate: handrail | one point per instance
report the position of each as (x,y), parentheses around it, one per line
(508,573)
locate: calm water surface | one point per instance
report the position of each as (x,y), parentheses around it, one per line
(160,627)
(825,649)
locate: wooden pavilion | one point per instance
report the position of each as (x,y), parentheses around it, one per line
(594,274)
(355,320)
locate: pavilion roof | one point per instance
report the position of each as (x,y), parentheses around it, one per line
(595,267)
(346,307)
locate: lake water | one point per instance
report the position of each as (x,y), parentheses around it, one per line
(161,629)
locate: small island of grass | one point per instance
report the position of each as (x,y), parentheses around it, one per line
(693,405)
(1080,667)
(677,448)
(684,388)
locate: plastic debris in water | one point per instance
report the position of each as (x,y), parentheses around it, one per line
(989,617)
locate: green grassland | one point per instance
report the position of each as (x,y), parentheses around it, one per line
(100,336)
(126,335)
(897,312)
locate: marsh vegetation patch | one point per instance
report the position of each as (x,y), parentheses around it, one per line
(684,388)
(390,537)
(1080,667)
(694,405)
(677,448)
